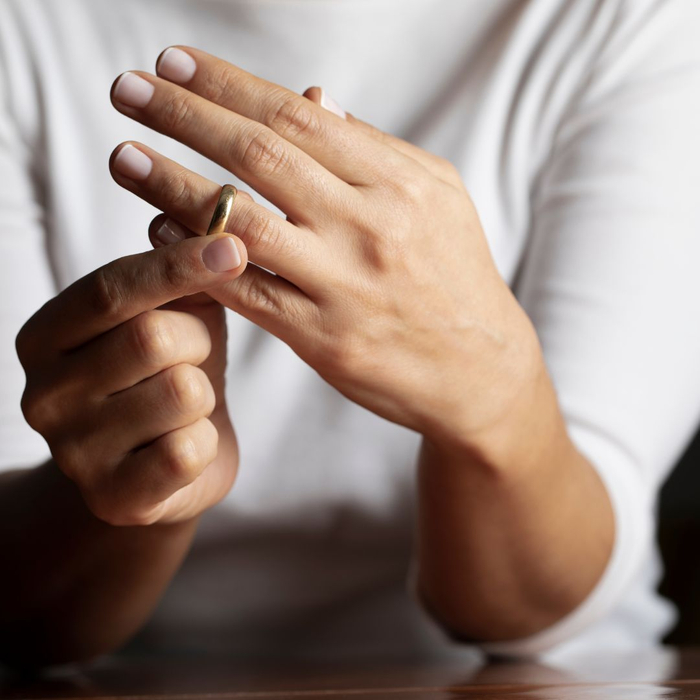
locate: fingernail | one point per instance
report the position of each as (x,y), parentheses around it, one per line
(221,255)
(133,91)
(133,163)
(327,102)
(170,232)
(176,65)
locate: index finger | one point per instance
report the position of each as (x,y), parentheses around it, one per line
(124,288)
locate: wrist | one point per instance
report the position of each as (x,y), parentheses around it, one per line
(517,410)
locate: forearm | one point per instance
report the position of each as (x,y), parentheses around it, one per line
(78,586)
(515,534)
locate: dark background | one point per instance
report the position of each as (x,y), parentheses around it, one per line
(679,539)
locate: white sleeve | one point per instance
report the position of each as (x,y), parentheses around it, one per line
(26,281)
(611,280)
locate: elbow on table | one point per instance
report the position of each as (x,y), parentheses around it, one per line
(496,636)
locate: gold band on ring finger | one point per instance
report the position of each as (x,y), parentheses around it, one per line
(222,210)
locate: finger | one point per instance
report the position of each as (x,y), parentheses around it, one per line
(189,198)
(326,137)
(268,300)
(137,349)
(285,175)
(173,398)
(438,166)
(148,476)
(169,230)
(125,287)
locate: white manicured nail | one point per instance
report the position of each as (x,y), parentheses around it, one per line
(176,65)
(170,232)
(133,91)
(327,102)
(221,255)
(132,163)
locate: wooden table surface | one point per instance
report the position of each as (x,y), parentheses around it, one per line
(665,673)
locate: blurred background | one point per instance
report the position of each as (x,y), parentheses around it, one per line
(679,538)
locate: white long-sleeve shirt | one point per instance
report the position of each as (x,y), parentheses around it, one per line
(574,124)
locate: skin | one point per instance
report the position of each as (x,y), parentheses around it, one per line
(147,443)
(384,285)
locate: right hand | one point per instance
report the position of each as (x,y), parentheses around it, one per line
(125,380)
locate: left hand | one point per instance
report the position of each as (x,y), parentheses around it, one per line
(384,282)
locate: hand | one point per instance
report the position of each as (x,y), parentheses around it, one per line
(125,381)
(383,281)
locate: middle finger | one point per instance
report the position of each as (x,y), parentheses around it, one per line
(351,153)
(282,173)
(137,349)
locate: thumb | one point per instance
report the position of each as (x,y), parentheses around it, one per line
(227,261)
(224,257)
(188,263)
(130,285)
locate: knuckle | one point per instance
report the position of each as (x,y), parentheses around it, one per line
(176,190)
(68,455)
(39,409)
(188,391)
(100,506)
(394,248)
(389,250)
(176,111)
(340,354)
(292,118)
(105,513)
(266,154)
(175,270)
(181,457)
(106,294)
(29,406)
(109,504)
(24,342)
(258,230)
(219,84)
(258,295)
(153,339)
(409,188)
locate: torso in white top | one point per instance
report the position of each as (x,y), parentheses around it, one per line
(573,124)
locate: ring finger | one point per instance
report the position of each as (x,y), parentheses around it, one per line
(272,242)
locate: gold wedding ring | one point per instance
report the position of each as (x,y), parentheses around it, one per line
(223,209)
